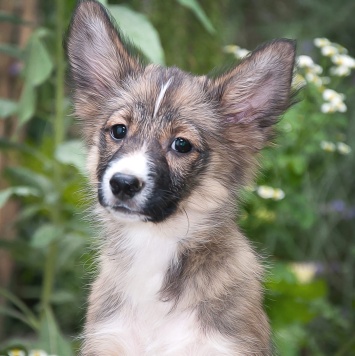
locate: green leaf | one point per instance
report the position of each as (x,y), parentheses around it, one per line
(44,235)
(195,7)
(138,29)
(20,191)
(39,64)
(280,273)
(4,196)
(298,164)
(8,144)
(27,103)
(42,32)
(289,339)
(12,313)
(11,50)
(28,317)
(62,297)
(7,107)
(50,337)
(31,178)
(29,211)
(72,153)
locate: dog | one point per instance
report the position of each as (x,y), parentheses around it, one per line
(168,154)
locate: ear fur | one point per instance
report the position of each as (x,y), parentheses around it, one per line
(98,58)
(258,90)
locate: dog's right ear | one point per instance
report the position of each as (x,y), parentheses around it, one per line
(98,59)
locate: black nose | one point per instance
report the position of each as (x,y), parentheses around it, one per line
(125,186)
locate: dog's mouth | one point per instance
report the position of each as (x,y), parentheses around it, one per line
(125,210)
(129,213)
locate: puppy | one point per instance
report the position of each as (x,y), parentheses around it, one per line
(168,154)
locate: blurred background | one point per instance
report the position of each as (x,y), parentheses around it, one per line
(300,213)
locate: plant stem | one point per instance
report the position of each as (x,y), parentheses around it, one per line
(58,126)
(49,271)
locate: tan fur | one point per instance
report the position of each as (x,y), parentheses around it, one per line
(175,274)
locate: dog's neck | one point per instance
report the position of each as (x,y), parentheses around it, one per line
(141,253)
(184,228)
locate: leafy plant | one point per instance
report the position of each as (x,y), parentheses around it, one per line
(301,214)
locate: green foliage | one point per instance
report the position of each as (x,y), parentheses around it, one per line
(50,338)
(20,191)
(300,212)
(138,29)
(195,7)
(313,213)
(7,108)
(38,67)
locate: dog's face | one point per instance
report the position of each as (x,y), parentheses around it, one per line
(159,137)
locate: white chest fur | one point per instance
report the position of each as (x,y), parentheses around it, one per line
(134,333)
(145,325)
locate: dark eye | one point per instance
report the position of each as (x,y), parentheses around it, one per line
(118,132)
(181,145)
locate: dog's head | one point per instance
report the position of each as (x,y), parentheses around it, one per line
(161,140)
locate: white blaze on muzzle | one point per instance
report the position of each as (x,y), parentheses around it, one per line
(135,164)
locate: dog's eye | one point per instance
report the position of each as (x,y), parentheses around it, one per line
(118,132)
(181,145)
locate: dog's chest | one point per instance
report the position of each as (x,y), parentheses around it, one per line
(144,323)
(149,259)
(147,329)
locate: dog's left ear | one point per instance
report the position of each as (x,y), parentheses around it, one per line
(258,90)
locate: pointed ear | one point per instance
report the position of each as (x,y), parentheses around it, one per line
(258,90)
(97,57)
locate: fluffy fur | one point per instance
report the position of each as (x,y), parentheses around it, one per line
(175,274)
